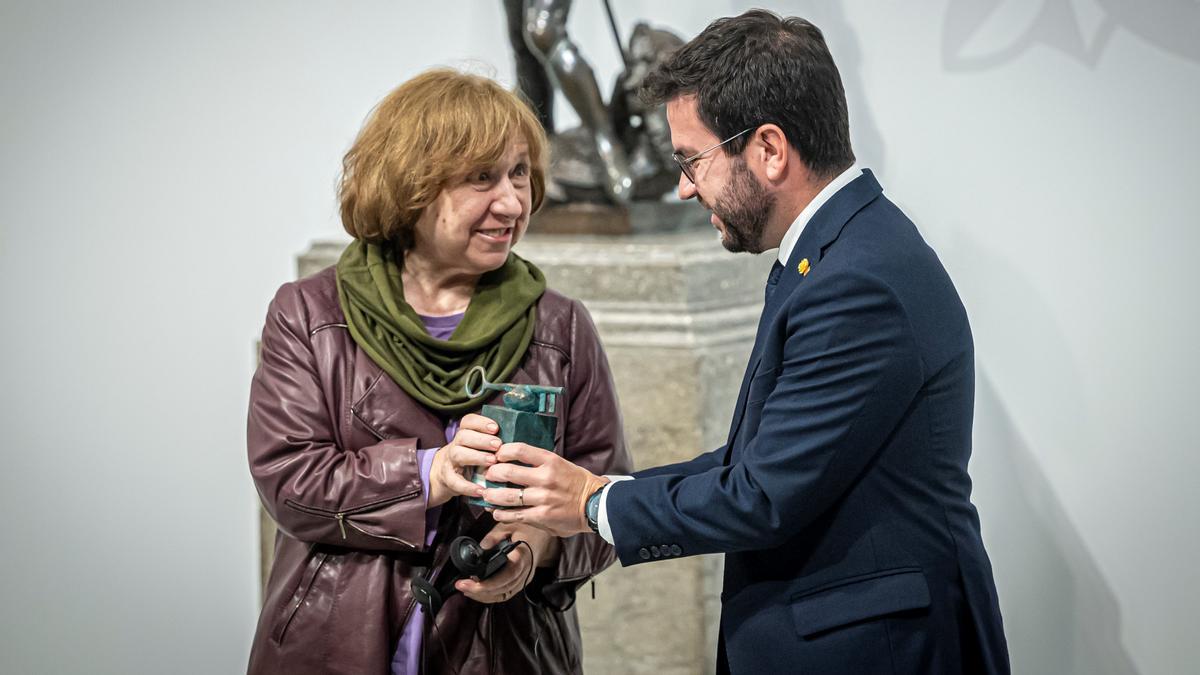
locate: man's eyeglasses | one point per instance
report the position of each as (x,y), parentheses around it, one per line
(685,163)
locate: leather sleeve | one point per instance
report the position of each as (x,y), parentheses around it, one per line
(593,439)
(369,498)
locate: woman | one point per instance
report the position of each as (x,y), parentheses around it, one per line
(360,428)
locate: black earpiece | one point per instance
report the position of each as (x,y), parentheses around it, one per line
(469,560)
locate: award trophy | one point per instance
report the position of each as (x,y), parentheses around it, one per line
(527,416)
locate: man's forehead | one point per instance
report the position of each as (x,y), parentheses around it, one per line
(688,131)
(683,109)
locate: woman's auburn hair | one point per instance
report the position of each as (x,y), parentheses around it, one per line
(425,134)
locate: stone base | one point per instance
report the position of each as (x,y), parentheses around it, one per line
(677,315)
(639,218)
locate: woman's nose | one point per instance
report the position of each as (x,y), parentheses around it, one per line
(508,200)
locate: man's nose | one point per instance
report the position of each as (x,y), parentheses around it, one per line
(687,189)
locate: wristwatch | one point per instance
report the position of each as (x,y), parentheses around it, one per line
(591,509)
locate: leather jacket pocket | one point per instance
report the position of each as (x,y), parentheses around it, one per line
(315,561)
(859,599)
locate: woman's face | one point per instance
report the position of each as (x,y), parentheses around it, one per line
(472,224)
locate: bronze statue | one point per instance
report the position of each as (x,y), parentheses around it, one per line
(621,151)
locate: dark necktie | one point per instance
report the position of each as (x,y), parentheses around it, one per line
(773,279)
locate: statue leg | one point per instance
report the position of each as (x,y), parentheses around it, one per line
(546,35)
(532,79)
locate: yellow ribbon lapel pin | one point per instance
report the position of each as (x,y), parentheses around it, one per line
(803,267)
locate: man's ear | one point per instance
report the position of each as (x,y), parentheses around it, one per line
(770,147)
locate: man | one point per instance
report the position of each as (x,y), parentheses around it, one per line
(841,498)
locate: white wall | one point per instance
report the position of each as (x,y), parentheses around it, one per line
(162,163)
(1048,151)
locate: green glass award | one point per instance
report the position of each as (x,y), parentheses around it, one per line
(527,416)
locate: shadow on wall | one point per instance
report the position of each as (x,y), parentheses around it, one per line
(982,34)
(843,44)
(1060,615)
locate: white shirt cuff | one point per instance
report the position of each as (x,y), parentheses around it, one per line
(602,517)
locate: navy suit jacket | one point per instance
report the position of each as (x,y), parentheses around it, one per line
(841,498)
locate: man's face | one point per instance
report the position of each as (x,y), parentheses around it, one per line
(741,206)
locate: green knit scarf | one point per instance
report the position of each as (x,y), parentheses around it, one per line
(494,333)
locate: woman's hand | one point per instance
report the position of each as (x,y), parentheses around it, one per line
(543,551)
(474,445)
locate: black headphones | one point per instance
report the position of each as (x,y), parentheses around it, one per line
(469,560)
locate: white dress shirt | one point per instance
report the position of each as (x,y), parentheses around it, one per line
(793,234)
(785,251)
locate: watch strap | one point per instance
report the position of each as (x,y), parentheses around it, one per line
(591,510)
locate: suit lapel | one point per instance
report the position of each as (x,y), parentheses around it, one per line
(823,229)
(820,232)
(751,370)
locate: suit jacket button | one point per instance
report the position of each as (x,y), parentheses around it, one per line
(655,552)
(643,553)
(666,550)
(675,550)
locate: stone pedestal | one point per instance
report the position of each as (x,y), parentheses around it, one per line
(677,315)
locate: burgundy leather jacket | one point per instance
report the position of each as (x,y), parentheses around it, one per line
(332,444)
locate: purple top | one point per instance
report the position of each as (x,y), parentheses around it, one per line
(441,327)
(407,659)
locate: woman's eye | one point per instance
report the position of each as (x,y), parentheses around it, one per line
(521,170)
(481,177)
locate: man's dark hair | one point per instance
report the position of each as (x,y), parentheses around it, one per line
(756,69)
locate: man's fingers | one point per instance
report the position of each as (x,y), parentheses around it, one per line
(503,472)
(530,515)
(501,497)
(508,496)
(478,423)
(508,515)
(521,452)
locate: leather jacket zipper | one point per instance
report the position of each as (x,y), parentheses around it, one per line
(342,516)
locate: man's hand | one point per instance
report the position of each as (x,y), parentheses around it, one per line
(555,494)
(474,445)
(509,581)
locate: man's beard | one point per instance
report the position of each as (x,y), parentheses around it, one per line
(744,208)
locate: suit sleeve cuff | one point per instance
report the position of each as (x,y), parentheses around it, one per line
(602,518)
